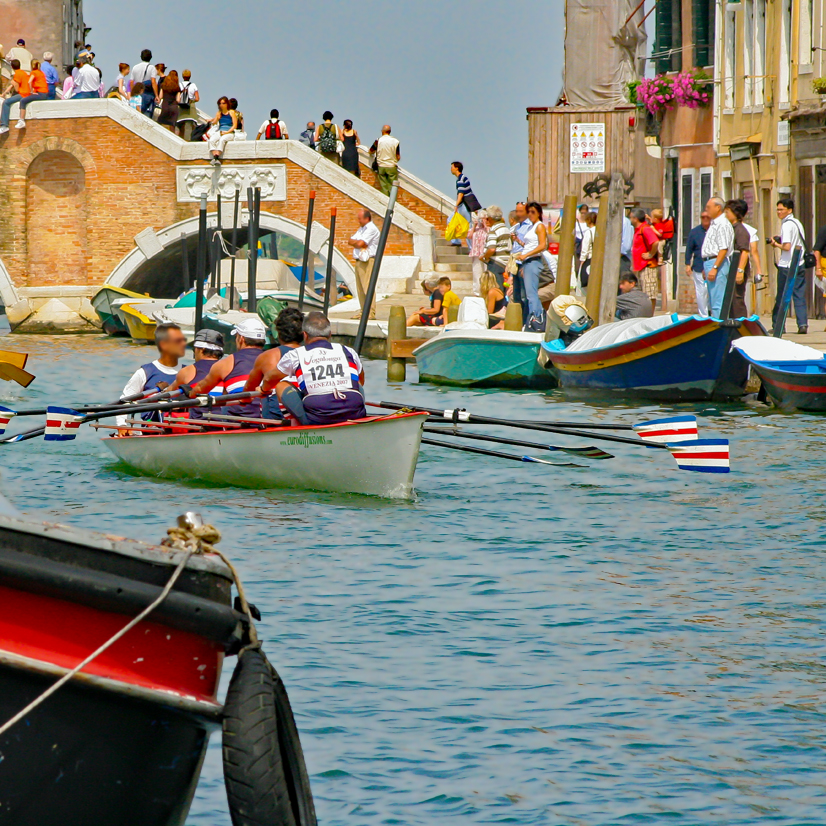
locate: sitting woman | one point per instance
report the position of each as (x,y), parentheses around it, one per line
(495,300)
(223,129)
(137,97)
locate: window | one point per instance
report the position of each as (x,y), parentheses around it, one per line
(759,50)
(804,48)
(784,66)
(705,187)
(686,210)
(748,53)
(729,59)
(668,37)
(702,23)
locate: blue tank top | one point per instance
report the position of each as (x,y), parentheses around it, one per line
(225,122)
(155,375)
(202,369)
(242,362)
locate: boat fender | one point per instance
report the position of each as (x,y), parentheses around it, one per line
(264,771)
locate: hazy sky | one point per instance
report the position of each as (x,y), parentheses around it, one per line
(452,79)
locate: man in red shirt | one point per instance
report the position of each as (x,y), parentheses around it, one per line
(19,89)
(644,254)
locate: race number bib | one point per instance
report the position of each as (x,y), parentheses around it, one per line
(325,371)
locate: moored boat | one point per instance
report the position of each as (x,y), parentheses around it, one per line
(123,741)
(375,456)
(483,358)
(139,320)
(103,303)
(793,375)
(672,358)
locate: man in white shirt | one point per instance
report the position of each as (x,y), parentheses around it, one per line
(626,244)
(273,129)
(87,82)
(187,109)
(145,73)
(21,53)
(716,252)
(791,238)
(388,155)
(364,244)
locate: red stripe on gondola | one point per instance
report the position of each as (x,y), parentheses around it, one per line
(151,655)
(800,388)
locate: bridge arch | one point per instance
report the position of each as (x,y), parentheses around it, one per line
(8,293)
(166,244)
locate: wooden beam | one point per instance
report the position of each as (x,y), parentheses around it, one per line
(594,292)
(613,250)
(402,348)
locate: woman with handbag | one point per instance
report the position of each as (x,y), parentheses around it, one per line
(327,137)
(170,88)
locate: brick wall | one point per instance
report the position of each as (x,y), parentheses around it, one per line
(126,185)
(686,295)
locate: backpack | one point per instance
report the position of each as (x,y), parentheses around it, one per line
(199,132)
(807,257)
(185,98)
(273,131)
(327,141)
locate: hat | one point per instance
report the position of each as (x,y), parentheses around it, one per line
(21,42)
(251,327)
(209,340)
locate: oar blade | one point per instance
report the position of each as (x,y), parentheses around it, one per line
(702,455)
(546,462)
(588,452)
(668,431)
(62,424)
(17,359)
(11,372)
(6,415)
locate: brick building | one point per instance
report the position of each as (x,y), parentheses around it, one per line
(46,26)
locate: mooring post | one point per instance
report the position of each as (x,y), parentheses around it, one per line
(200,268)
(396,330)
(328,281)
(613,250)
(594,293)
(184,264)
(513,316)
(234,247)
(566,246)
(304,262)
(374,276)
(252,298)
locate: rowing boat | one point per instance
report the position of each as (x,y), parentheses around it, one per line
(483,358)
(672,358)
(375,456)
(103,302)
(140,320)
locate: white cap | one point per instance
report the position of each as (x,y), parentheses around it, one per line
(251,327)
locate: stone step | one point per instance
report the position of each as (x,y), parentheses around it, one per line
(441,243)
(458,267)
(451,258)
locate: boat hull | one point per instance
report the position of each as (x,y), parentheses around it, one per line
(690,360)
(497,359)
(141,328)
(793,390)
(371,456)
(102,300)
(122,742)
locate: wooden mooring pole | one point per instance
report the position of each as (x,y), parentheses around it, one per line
(396,331)
(304,262)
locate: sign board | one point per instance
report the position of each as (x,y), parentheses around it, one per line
(588,147)
(783,133)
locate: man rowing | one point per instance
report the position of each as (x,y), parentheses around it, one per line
(233,371)
(159,374)
(290,335)
(209,347)
(329,377)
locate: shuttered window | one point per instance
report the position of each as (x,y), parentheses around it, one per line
(668,36)
(702,21)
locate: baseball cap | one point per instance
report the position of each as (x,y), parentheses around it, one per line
(251,327)
(209,340)
(21,42)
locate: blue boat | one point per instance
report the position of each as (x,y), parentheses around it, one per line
(483,358)
(673,358)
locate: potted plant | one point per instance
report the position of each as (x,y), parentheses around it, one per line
(631,93)
(819,85)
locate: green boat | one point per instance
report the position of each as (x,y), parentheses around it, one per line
(102,303)
(483,358)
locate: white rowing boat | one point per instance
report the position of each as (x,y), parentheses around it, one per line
(375,456)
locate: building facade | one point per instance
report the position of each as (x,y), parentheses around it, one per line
(46,26)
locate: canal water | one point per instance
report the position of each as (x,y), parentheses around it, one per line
(617,643)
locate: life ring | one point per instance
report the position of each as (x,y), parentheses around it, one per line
(264,770)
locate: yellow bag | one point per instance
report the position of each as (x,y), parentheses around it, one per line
(457,228)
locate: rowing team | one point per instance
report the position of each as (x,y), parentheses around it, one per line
(306,378)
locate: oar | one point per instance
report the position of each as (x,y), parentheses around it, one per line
(470,418)
(497,454)
(590,452)
(111,405)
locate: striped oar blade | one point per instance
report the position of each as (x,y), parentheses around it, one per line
(668,431)
(6,415)
(590,452)
(703,455)
(62,424)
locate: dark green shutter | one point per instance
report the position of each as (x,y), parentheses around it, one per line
(702,19)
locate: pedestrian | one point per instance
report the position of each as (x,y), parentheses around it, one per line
(791,238)
(87,82)
(147,74)
(717,249)
(240,132)
(170,89)
(222,131)
(520,223)
(694,262)
(124,81)
(754,251)
(365,242)
(478,237)
(387,156)
(644,254)
(495,301)
(160,68)
(52,77)
(327,138)
(587,248)
(582,212)
(632,302)
(498,243)
(735,212)
(350,155)
(18,89)
(136,101)
(307,137)
(466,202)
(39,90)
(534,242)
(187,110)
(625,244)
(21,54)
(273,129)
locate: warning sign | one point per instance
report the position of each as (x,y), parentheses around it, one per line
(588,147)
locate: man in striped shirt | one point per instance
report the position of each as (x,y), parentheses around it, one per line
(465,199)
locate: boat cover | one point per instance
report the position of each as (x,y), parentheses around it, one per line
(619,331)
(768,348)
(473,315)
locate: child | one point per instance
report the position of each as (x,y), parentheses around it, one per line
(436,313)
(137,96)
(449,298)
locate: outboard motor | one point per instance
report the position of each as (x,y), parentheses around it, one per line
(569,317)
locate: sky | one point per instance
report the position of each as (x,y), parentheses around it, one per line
(452,79)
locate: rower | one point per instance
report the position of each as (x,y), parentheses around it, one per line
(233,371)
(159,374)
(288,329)
(209,347)
(329,376)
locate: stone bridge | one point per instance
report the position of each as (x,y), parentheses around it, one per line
(94,192)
